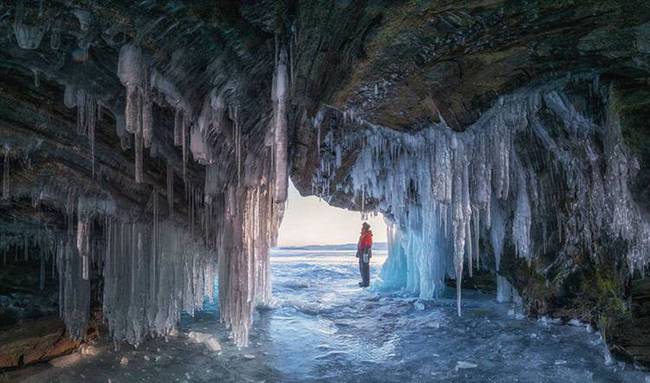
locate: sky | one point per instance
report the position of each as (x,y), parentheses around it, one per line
(309,221)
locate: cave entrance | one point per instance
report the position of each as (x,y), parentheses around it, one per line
(320,241)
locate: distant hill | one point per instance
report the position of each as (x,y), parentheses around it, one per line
(345,246)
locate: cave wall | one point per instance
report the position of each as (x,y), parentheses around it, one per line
(135,159)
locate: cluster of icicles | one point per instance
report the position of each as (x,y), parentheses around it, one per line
(31,25)
(238,218)
(152,268)
(443,190)
(155,263)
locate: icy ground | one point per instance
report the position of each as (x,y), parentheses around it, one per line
(323,328)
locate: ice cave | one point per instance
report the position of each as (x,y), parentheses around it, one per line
(149,151)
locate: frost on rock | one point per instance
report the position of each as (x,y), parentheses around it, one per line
(443,190)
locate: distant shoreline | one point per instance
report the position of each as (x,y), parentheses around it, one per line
(344,246)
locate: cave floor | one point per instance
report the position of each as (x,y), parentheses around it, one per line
(323,328)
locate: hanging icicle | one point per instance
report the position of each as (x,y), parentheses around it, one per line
(184,138)
(280,95)
(170,187)
(147,122)
(83,244)
(178,127)
(132,72)
(5,173)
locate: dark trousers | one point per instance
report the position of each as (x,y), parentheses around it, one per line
(364,269)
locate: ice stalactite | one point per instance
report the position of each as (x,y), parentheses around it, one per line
(83,244)
(139,155)
(74,289)
(55,35)
(178,127)
(244,271)
(151,273)
(88,113)
(28,36)
(497,238)
(147,122)
(443,190)
(37,81)
(156,266)
(237,143)
(132,73)
(522,220)
(280,95)
(170,187)
(5,172)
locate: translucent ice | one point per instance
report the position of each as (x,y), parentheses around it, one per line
(280,94)
(443,190)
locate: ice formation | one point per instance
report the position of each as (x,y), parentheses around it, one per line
(131,71)
(28,36)
(280,89)
(156,263)
(163,258)
(442,190)
(152,271)
(5,172)
(88,113)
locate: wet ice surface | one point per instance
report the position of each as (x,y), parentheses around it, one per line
(324,328)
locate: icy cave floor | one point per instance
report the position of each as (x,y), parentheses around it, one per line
(323,328)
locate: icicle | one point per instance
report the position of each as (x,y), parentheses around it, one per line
(170,187)
(237,141)
(522,221)
(55,36)
(41,279)
(280,126)
(184,138)
(178,127)
(147,122)
(28,36)
(83,244)
(139,166)
(5,173)
(154,248)
(36,80)
(131,112)
(94,111)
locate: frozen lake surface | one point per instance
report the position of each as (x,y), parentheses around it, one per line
(324,328)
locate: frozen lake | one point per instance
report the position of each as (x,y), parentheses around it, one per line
(324,328)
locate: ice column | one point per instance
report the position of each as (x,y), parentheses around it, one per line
(132,73)
(280,94)
(251,221)
(88,113)
(5,173)
(74,289)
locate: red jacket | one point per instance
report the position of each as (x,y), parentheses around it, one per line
(365,241)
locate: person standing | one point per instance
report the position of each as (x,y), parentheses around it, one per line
(364,253)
